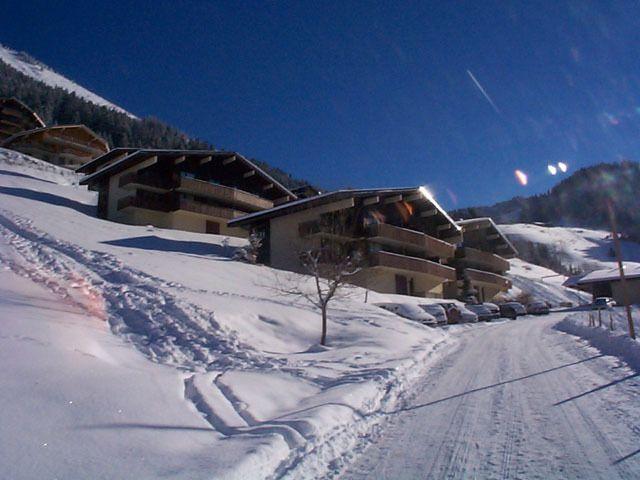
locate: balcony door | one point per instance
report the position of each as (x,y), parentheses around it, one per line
(402,286)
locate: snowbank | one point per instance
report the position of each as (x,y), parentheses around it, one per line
(247,357)
(614,342)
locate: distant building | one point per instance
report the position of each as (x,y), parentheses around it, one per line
(16,117)
(404,236)
(193,190)
(481,260)
(64,145)
(606,283)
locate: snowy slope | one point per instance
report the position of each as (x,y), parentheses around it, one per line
(582,248)
(36,70)
(240,355)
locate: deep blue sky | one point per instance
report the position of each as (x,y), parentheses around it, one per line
(365,94)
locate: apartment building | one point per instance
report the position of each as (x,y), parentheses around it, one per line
(481,260)
(193,190)
(404,237)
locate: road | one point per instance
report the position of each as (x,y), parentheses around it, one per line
(514,400)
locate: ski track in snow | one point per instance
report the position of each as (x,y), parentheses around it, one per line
(165,328)
(517,400)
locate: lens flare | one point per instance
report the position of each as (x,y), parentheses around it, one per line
(563,167)
(552,169)
(522,177)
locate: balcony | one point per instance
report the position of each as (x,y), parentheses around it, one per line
(478,276)
(398,262)
(483,260)
(159,204)
(386,234)
(208,210)
(231,196)
(151,183)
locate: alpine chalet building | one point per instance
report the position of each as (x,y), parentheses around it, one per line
(404,237)
(193,190)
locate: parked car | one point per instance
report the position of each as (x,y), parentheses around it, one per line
(493,308)
(603,303)
(512,310)
(538,308)
(435,310)
(458,314)
(410,311)
(482,311)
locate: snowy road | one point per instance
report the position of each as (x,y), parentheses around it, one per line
(515,400)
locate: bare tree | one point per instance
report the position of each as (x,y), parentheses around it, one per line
(331,269)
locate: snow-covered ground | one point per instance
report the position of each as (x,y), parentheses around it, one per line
(515,400)
(36,70)
(607,331)
(204,347)
(582,248)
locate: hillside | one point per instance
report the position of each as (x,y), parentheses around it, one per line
(59,100)
(578,201)
(156,338)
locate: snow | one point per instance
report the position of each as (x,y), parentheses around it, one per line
(36,70)
(181,336)
(518,399)
(582,248)
(611,337)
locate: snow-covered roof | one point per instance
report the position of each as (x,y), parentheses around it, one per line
(328,197)
(610,274)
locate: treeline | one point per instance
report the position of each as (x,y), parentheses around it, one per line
(57,106)
(580,200)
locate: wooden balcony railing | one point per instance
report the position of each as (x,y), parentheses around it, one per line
(387,234)
(483,260)
(232,196)
(209,210)
(487,277)
(412,264)
(152,183)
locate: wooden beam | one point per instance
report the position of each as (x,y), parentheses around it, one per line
(229,160)
(414,197)
(444,227)
(371,201)
(268,186)
(495,236)
(281,200)
(204,160)
(393,199)
(250,173)
(179,160)
(429,213)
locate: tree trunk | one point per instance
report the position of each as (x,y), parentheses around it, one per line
(323,339)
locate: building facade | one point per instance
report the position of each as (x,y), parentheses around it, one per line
(402,235)
(481,261)
(64,145)
(607,283)
(198,191)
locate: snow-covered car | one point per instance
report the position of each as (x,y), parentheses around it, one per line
(458,314)
(603,303)
(538,308)
(482,311)
(410,311)
(437,311)
(512,310)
